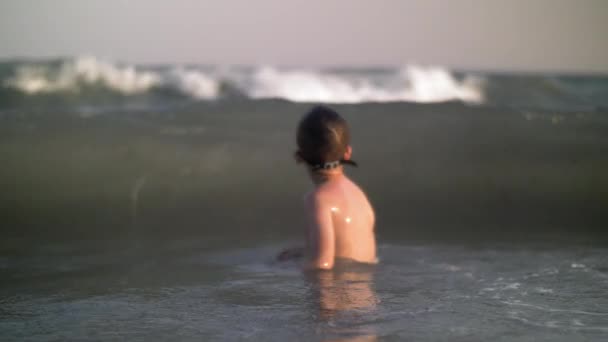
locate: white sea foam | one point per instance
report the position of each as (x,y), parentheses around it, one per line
(550,309)
(195,83)
(543,290)
(33,79)
(410,83)
(126,80)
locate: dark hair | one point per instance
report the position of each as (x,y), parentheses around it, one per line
(322,137)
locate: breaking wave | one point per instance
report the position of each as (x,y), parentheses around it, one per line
(72,76)
(95,83)
(40,78)
(410,83)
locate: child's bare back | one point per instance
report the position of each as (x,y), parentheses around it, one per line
(340,224)
(340,219)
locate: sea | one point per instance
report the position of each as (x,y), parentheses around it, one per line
(148,203)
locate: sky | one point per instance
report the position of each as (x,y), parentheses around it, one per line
(510,35)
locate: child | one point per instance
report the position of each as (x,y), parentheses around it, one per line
(340,219)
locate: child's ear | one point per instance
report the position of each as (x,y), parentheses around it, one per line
(348,153)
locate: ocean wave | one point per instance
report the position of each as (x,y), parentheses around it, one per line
(411,83)
(43,78)
(92,82)
(73,75)
(194,83)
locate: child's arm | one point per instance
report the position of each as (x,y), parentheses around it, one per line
(320,234)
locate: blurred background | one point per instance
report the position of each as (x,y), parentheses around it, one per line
(139,139)
(180,116)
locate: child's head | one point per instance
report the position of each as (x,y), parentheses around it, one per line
(323,139)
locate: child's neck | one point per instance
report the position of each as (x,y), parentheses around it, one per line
(324,176)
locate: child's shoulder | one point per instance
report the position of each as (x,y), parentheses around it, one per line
(316,196)
(332,191)
(322,196)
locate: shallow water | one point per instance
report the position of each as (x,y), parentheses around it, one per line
(423,291)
